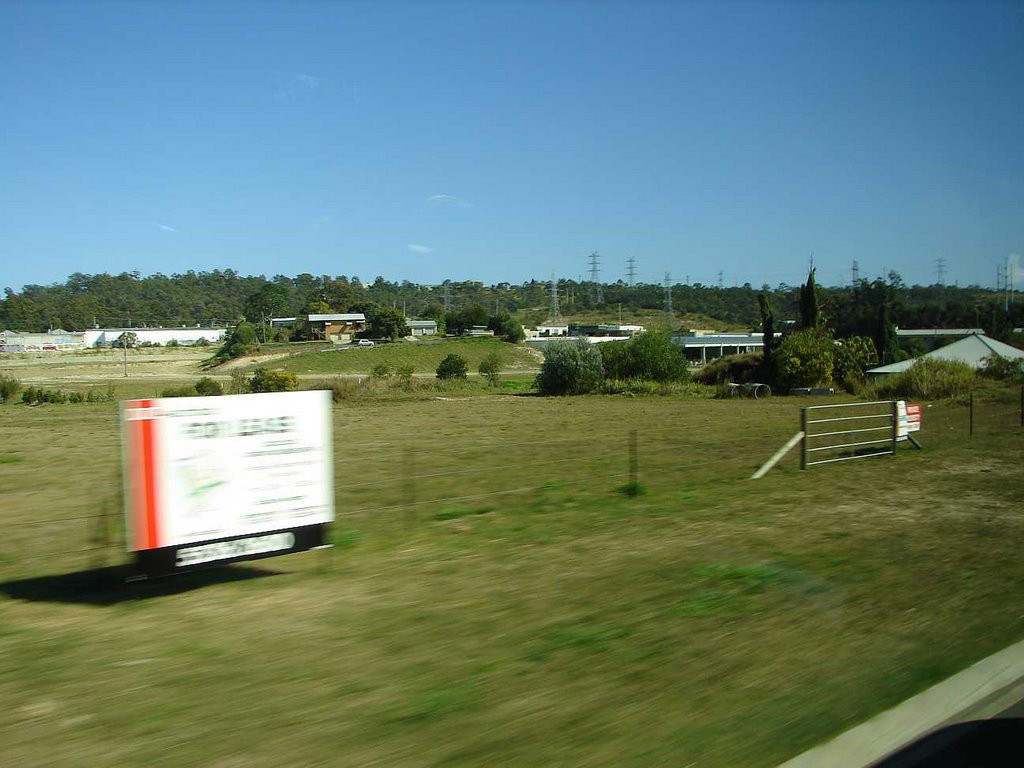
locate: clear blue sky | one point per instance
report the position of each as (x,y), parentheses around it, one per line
(502,141)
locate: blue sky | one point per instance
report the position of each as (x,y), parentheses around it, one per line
(504,141)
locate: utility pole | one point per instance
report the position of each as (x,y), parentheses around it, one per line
(631,271)
(720,273)
(856,273)
(668,295)
(940,270)
(595,278)
(447,299)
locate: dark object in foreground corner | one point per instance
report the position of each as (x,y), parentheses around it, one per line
(995,743)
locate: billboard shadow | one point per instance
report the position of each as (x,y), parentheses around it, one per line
(108,585)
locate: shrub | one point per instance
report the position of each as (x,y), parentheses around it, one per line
(570,368)
(928,379)
(997,367)
(452,367)
(239,382)
(740,369)
(381,371)
(185,390)
(804,359)
(853,356)
(9,388)
(172,343)
(207,387)
(202,341)
(490,367)
(340,389)
(649,356)
(266,380)
(76,397)
(404,376)
(29,396)
(241,341)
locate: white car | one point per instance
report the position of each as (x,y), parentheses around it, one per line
(362,342)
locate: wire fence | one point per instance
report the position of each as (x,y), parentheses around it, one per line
(402,484)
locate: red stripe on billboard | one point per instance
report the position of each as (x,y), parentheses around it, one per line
(136,482)
(149,479)
(141,445)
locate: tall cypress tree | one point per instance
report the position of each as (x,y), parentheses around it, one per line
(809,314)
(767,326)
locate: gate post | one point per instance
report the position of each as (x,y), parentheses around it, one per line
(803,440)
(895,424)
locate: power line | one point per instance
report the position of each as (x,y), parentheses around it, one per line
(554,314)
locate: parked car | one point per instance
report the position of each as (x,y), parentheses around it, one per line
(362,342)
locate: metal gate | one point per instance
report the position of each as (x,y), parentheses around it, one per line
(847,431)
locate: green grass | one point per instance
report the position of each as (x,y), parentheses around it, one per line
(423,356)
(511,605)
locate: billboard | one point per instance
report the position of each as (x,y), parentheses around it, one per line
(909,418)
(219,479)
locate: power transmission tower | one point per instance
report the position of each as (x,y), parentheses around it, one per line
(940,269)
(595,278)
(668,294)
(856,273)
(631,271)
(553,313)
(720,273)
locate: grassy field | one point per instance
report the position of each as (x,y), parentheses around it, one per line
(495,599)
(423,356)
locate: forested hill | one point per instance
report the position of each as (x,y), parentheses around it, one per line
(224,296)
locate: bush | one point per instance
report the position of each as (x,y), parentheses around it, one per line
(185,390)
(570,368)
(207,387)
(340,389)
(266,380)
(239,382)
(853,356)
(490,367)
(927,379)
(76,397)
(172,343)
(404,376)
(740,369)
(9,388)
(452,367)
(804,359)
(381,371)
(202,341)
(997,367)
(240,342)
(649,356)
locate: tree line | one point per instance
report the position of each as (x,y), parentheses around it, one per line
(224,297)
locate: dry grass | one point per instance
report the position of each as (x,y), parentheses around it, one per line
(509,606)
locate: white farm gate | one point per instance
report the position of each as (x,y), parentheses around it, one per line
(848,431)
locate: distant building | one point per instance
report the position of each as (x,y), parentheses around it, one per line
(707,346)
(57,340)
(338,328)
(183,336)
(604,331)
(422,327)
(974,350)
(478,330)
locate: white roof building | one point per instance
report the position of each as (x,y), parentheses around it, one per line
(973,350)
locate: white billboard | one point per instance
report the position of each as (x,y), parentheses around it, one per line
(210,479)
